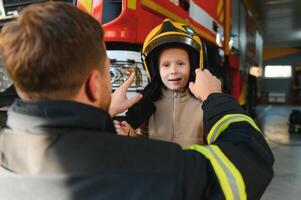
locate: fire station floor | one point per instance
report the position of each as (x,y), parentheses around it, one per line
(286,147)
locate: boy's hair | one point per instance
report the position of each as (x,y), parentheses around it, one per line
(155,87)
(50,49)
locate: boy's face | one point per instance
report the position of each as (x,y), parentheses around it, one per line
(174,68)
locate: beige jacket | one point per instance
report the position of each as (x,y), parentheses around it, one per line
(178,118)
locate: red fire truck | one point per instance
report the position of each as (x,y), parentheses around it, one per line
(127,23)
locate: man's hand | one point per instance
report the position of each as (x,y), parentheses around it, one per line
(120,102)
(205,84)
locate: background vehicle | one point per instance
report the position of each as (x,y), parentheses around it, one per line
(234,45)
(127,23)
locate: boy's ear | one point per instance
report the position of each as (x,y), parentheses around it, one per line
(92,88)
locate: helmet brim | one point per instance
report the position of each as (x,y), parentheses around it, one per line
(172,39)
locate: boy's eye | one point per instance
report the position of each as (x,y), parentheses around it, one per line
(165,65)
(181,63)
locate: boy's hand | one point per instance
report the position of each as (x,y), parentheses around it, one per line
(205,84)
(122,128)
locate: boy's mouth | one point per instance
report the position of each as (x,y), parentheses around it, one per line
(174,79)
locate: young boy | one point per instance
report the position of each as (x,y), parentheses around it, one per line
(168,111)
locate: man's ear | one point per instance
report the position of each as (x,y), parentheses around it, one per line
(92,88)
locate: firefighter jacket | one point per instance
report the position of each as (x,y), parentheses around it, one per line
(70,151)
(7,98)
(178,118)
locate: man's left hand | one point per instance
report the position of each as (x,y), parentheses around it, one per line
(120,102)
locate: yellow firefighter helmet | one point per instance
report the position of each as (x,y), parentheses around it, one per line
(171,32)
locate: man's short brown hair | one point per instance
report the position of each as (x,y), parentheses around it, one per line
(50,49)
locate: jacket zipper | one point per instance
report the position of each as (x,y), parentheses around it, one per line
(174,115)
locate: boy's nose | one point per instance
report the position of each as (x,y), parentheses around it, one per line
(173,69)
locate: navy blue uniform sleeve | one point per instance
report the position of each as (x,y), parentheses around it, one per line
(200,181)
(140,112)
(238,160)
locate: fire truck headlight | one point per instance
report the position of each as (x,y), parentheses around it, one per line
(121,71)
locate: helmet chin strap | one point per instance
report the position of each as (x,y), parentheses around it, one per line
(201,65)
(146,69)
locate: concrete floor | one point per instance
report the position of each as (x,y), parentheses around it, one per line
(286,184)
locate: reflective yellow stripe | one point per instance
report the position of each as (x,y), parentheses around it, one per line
(229,177)
(239,181)
(132,4)
(219,9)
(167,13)
(225,122)
(222,17)
(87,5)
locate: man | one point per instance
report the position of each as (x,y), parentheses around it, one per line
(61,143)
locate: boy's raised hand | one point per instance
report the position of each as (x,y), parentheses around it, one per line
(205,84)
